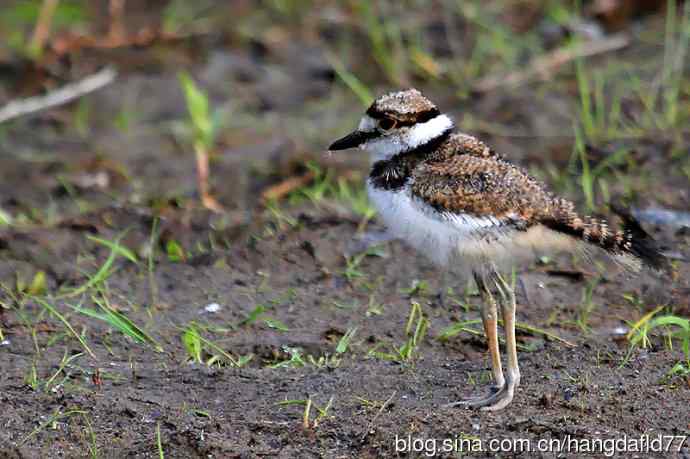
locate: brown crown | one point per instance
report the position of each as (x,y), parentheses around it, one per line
(407,107)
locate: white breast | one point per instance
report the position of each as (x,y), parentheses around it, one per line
(442,237)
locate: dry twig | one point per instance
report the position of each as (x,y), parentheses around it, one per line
(285,187)
(383,407)
(67,93)
(543,67)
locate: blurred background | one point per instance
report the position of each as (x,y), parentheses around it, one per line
(560,87)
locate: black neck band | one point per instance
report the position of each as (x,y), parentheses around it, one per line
(393,173)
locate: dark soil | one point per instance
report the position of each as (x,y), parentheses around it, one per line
(67,186)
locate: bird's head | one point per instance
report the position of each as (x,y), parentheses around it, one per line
(395,123)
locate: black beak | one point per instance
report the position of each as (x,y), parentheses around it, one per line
(352,140)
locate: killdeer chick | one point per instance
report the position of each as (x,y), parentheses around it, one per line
(455,200)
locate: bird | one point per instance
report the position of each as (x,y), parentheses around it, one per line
(455,200)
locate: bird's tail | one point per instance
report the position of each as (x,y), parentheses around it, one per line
(630,240)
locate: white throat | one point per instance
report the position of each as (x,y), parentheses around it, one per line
(385,147)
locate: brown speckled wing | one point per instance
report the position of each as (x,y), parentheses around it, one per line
(481,186)
(466,144)
(465,184)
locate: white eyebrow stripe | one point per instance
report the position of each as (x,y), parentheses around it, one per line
(406,139)
(422,133)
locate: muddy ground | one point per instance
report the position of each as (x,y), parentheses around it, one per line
(282,284)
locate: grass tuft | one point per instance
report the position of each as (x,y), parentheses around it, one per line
(57,415)
(194,343)
(50,308)
(118,321)
(308,403)
(345,340)
(106,269)
(673,327)
(416,329)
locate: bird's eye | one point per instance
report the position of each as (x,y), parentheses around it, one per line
(386,124)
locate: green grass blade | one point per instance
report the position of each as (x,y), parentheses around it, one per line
(457,328)
(126,326)
(538,331)
(159,442)
(199,111)
(5,218)
(103,273)
(57,415)
(115,247)
(344,342)
(351,81)
(192,343)
(276,324)
(233,361)
(62,319)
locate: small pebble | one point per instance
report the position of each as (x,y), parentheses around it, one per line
(213,307)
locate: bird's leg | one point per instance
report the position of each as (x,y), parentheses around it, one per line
(443,296)
(489,320)
(503,397)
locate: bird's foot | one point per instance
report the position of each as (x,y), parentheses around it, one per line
(499,398)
